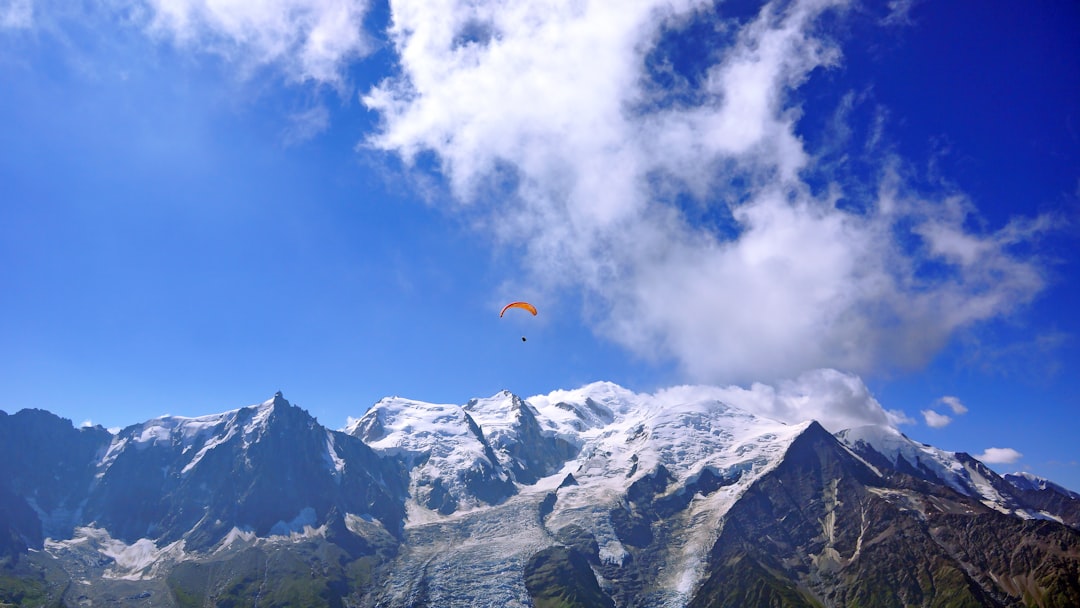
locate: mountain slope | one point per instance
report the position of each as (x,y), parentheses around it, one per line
(1047,497)
(596,496)
(827,529)
(1026,497)
(199,478)
(46,468)
(451,465)
(635,497)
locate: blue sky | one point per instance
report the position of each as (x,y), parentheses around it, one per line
(859,212)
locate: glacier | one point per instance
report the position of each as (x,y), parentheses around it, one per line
(449,504)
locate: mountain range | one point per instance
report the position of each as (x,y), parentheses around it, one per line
(596,496)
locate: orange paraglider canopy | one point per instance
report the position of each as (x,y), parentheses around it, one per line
(521,305)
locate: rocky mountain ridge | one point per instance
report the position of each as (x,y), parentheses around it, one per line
(589,497)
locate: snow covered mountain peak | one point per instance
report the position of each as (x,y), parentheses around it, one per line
(669,499)
(606,396)
(451,466)
(252,416)
(601,436)
(1033,483)
(957,470)
(918,459)
(636,434)
(887,440)
(397,425)
(600,458)
(197,435)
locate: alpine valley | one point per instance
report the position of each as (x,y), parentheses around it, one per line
(597,496)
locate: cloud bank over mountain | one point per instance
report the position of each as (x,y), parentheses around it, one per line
(679,198)
(648,156)
(683,213)
(836,399)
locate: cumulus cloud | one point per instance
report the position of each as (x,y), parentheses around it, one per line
(938,420)
(681,210)
(935,420)
(311,40)
(999,456)
(954,404)
(837,400)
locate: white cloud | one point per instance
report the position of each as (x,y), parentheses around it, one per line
(86,423)
(954,404)
(16,14)
(899,12)
(835,399)
(306,124)
(935,420)
(999,456)
(311,40)
(541,117)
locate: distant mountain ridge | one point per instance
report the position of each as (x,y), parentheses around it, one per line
(585,497)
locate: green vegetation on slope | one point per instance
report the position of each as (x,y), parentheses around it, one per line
(560,577)
(23,583)
(317,575)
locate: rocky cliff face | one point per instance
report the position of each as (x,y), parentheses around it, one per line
(46,468)
(825,528)
(262,469)
(591,497)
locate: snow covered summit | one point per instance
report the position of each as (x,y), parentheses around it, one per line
(617,498)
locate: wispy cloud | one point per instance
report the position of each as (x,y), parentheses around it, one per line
(899,12)
(686,220)
(306,41)
(310,40)
(16,14)
(999,456)
(306,124)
